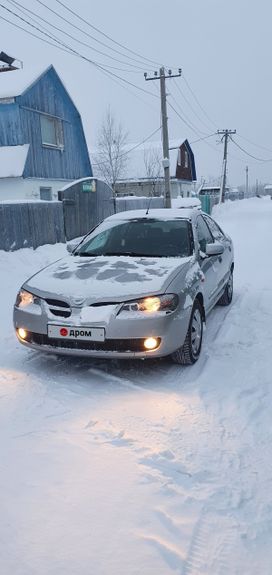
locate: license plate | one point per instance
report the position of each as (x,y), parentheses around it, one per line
(74,332)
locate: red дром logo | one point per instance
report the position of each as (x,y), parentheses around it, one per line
(63,331)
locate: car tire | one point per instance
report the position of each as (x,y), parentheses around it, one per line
(189,352)
(226,297)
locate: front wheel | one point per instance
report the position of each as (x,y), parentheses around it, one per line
(190,351)
(226,297)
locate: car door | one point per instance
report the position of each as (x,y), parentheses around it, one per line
(226,258)
(210,266)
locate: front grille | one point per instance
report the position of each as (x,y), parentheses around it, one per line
(118,345)
(58,308)
(57,302)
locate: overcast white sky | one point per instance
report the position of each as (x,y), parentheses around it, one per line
(223,48)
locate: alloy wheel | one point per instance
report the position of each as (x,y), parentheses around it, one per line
(196,331)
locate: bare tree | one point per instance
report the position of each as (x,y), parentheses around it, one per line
(111,157)
(152,162)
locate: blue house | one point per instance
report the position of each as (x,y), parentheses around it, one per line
(42,142)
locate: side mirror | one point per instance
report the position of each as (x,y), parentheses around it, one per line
(214,249)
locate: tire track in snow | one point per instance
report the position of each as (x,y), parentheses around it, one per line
(212,545)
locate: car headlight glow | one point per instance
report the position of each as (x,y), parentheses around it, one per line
(153,304)
(25,298)
(22,333)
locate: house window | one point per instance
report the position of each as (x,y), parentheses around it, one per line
(179,157)
(46,194)
(52,132)
(186,159)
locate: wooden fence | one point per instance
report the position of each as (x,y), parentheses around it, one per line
(35,223)
(30,224)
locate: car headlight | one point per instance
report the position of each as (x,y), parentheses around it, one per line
(25,298)
(161,303)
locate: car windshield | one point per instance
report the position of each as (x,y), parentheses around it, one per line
(140,237)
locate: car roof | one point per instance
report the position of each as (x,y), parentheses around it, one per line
(159,214)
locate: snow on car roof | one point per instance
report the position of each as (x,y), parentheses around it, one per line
(161,214)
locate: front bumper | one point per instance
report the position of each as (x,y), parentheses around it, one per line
(123,337)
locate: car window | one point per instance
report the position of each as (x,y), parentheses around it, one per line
(100,240)
(144,237)
(204,235)
(214,228)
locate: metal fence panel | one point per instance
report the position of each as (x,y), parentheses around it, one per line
(85,204)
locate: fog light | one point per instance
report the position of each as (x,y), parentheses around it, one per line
(151,343)
(22,333)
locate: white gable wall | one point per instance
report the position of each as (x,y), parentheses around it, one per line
(28,189)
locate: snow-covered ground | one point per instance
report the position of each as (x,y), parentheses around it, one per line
(143,468)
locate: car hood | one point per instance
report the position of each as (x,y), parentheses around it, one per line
(104,278)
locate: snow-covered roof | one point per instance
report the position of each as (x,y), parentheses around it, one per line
(12,160)
(15,83)
(145,153)
(158,213)
(137,159)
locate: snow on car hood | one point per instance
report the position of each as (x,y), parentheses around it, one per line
(91,279)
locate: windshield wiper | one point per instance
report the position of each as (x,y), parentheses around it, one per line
(85,254)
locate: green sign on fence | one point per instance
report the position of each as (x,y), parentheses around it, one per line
(89,186)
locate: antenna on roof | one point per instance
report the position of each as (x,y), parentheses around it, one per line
(9,63)
(148,207)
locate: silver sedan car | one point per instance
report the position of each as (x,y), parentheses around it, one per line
(139,285)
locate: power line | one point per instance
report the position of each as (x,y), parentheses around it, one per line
(106,35)
(184,120)
(62,31)
(254,144)
(34,35)
(250,155)
(190,105)
(75,52)
(197,101)
(204,138)
(124,86)
(131,149)
(193,127)
(82,31)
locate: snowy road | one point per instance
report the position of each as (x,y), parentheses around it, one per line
(143,468)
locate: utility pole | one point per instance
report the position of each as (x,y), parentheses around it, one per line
(246,181)
(165,138)
(225,136)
